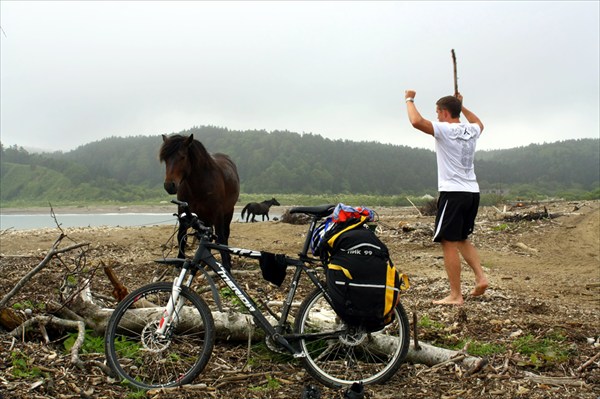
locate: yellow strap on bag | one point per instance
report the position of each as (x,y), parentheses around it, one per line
(331,241)
(390,278)
(343,269)
(405,284)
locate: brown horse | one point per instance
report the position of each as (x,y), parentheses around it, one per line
(208,183)
(259,208)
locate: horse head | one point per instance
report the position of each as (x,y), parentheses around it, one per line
(175,153)
(274,202)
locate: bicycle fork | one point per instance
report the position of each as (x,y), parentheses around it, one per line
(171,311)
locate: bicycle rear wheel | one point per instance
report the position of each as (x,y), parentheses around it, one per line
(352,355)
(147,360)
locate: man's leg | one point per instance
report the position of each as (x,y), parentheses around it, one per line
(452,265)
(469,252)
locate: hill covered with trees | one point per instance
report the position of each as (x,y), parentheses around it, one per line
(281,162)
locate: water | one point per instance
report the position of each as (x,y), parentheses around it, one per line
(40,221)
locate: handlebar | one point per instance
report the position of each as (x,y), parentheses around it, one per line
(191,219)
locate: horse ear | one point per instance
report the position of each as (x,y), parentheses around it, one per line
(189,140)
(164,137)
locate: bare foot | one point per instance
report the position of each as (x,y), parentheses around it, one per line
(480,288)
(449,301)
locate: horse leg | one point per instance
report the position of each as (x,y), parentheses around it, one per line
(223,238)
(253,216)
(181,241)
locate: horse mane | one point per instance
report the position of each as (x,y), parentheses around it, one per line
(174,144)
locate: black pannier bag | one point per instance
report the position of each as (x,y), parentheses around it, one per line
(363,283)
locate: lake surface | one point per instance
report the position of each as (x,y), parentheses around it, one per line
(40,221)
(37,221)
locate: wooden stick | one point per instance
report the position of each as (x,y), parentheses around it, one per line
(590,361)
(414,206)
(455,74)
(415,337)
(119,291)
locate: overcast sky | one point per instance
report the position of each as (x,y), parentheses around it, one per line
(74,72)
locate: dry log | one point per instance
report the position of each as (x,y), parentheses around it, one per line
(237,326)
(430,355)
(531,216)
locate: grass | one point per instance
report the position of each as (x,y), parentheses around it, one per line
(481,349)
(27,304)
(426,322)
(542,351)
(271,384)
(228,295)
(501,227)
(373,201)
(91,344)
(21,367)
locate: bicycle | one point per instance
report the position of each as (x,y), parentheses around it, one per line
(163,334)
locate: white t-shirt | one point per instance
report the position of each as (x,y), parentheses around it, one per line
(455,150)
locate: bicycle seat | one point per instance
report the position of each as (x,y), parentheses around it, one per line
(319,211)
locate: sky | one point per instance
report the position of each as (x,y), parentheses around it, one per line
(75,72)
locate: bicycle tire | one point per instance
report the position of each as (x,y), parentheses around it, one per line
(370,358)
(146,361)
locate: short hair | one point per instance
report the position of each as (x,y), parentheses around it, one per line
(450,104)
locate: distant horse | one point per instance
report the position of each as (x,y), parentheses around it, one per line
(256,208)
(208,183)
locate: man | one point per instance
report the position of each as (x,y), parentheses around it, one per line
(457,185)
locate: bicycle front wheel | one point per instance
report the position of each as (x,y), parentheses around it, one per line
(146,359)
(338,356)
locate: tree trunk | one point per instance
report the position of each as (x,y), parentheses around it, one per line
(237,326)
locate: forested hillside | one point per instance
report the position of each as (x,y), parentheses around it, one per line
(127,169)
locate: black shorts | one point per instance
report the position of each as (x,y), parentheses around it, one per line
(456,214)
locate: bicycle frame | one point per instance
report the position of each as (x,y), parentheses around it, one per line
(203,256)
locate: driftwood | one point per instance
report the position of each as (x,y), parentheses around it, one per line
(45,320)
(236,326)
(531,216)
(556,381)
(52,253)
(120,291)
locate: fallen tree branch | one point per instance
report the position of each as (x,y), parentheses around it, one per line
(556,381)
(53,252)
(120,291)
(590,361)
(45,320)
(236,326)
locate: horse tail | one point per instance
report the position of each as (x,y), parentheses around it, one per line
(244,210)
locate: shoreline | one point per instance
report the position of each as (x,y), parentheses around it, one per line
(101,209)
(91,209)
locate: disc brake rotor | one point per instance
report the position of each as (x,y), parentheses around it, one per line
(152,341)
